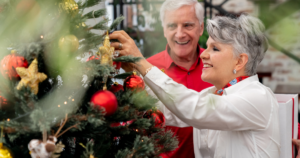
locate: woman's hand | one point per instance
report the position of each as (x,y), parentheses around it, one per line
(296,142)
(128,47)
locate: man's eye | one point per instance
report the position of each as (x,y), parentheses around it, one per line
(215,48)
(171,26)
(189,26)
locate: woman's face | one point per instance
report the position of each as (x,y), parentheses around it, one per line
(218,63)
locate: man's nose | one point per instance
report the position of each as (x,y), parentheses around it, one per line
(180,32)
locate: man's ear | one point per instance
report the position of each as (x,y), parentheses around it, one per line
(241,61)
(201,28)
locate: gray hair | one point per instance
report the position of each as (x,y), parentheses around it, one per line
(245,34)
(171,5)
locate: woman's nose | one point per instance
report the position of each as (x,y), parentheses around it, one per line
(204,54)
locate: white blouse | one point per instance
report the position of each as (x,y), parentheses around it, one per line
(242,123)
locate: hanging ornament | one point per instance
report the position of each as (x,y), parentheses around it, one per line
(157,116)
(106,52)
(116,87)
(117,124)
(117,65)
(40,149)
(5,152)
(69,6)
(105,99)
(134,82)
(68,43)
(31,77)
(93,57)
(9,64)
(3,104)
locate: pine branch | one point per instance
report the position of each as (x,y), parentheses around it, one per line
(116,23)
(95,14)
(123,75)
(128,59)
(88,3)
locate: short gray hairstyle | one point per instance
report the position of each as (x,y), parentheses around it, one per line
(171,5)
(245,34)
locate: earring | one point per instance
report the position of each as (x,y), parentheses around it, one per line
(234,71)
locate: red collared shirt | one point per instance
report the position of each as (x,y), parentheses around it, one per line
(191,79)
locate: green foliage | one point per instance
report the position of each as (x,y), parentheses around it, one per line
(128,59)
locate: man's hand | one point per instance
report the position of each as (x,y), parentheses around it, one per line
(296,142)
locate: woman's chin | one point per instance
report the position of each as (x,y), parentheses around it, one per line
(205,78)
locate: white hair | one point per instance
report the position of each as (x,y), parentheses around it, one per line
(171,5)
(245,34)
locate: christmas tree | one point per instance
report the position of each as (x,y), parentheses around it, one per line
(54,103)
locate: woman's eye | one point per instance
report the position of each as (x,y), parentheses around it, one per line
(215,49)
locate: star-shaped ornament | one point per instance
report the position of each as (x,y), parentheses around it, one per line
(30,77)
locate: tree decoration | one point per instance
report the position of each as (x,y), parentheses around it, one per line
(116,87)
(157,116)
(68,43)
(69,6)
(117,65)
(3,103)
(105,99)
(31,77)
(126,123)
(106,52)
(44,148)
(4,151)
(93,58)
(134,82)
(9,64)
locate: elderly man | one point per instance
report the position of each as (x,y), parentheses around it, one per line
(182,21)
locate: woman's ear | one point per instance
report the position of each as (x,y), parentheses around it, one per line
(241,62)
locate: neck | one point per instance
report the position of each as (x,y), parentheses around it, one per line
(186,61)
(223,84)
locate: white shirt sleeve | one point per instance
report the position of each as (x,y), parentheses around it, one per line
(248,109)
(171,119)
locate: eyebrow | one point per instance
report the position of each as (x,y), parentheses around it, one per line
(189,23)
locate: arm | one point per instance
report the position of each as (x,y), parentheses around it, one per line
(247,110)
(171,119)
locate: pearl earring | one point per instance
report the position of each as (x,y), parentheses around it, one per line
(234,71)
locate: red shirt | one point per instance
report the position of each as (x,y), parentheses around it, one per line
(191,79)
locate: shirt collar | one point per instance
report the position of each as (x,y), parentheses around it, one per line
(168,60)
(243,83)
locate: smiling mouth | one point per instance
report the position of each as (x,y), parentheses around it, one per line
(207,66)
(182,43)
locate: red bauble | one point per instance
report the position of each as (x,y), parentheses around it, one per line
(92,58)
(134,82)
(158,117)
(116,87)
(9,64)
(106,100)
(117,65)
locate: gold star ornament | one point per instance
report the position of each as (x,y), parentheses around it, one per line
(30,77)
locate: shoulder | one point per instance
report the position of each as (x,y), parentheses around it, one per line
(256,94)
(157,59)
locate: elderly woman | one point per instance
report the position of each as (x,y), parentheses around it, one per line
(238,117)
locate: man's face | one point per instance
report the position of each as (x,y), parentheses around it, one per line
(182,31)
